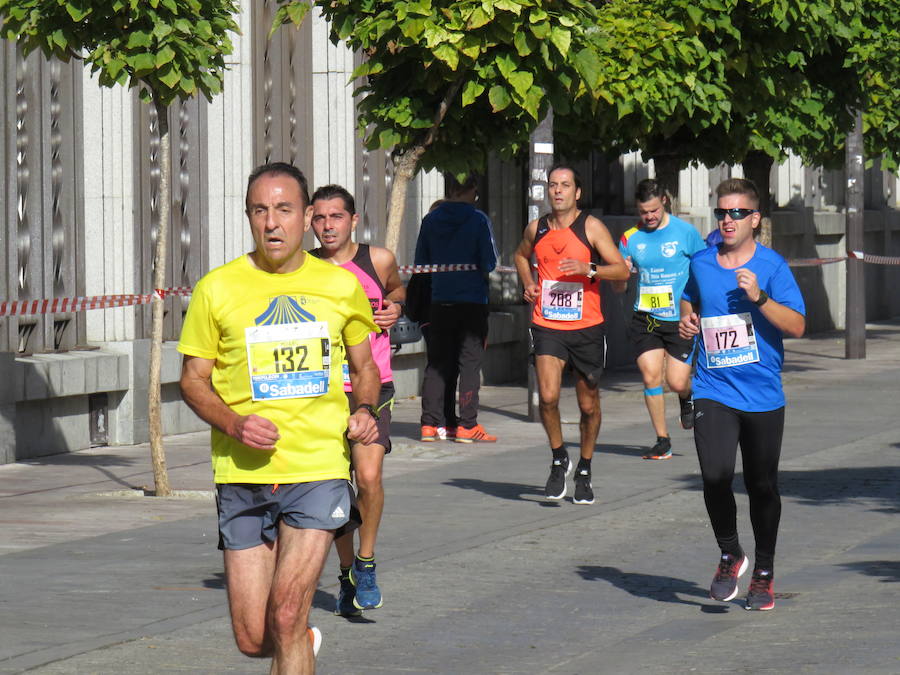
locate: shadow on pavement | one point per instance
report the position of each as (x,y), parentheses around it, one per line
(512,491)
(653,586)
(888,569)
(217,581)
(877,484)
(97,462)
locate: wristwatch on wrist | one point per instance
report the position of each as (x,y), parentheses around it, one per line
(592,272)
(763,298)
(370,409)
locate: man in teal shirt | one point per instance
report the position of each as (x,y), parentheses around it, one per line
(659,251)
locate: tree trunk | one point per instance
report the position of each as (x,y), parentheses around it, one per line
(758,168)
(405,168)
(157,452)
(667,167)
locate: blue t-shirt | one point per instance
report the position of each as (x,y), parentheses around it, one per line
(740,353)
(662,257)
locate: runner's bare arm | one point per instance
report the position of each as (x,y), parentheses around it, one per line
(689,325)
(788,321)
(365,381)
(522,258)
(615,268)
(196,389)
(386,267)
(622,286)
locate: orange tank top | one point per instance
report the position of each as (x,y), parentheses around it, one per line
(565,302)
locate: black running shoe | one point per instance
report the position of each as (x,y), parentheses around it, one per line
(556,483)
(760,596)
(346,594)
(662,449)
(687,412)
(725,583)
(584,492)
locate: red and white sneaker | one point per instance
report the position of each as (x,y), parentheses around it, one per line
(725,583)
(760,596)
(476,434)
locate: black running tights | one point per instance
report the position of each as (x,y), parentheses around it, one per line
(718,430)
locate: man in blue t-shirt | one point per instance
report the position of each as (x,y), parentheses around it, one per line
(659,252)
(740,299)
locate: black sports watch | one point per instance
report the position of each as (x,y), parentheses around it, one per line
(370,409)
(763,298)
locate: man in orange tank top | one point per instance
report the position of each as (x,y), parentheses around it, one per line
(573,251)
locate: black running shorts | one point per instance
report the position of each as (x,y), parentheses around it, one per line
(584,349)
(647,333)
(384,408)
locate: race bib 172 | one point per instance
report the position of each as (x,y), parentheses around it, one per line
(730,340)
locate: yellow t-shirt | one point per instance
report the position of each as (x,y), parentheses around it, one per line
(278,344)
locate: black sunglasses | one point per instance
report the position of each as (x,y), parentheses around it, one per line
(736,214)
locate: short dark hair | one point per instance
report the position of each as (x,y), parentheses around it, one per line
(739,186)
(336,192)
(575,175)
(279,169)
(454,188)
(648,189)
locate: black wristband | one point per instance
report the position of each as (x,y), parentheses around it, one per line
(763,298)
(370,409)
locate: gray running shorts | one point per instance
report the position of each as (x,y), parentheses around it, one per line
(249,514)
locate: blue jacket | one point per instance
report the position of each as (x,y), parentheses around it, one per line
(457,233)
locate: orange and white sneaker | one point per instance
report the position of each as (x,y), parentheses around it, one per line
(429,433)
(476,434)
(315,636)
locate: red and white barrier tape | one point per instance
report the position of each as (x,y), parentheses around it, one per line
(858,255)
(874,259)
(462,267)
(62,305)
(813,262)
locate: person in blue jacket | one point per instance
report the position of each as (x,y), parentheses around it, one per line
(740,299)
(456,233)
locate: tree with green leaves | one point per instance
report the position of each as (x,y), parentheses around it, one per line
(168,49)
(745,82)
(446,83)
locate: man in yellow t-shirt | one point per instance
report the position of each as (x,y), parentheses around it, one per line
(264,340)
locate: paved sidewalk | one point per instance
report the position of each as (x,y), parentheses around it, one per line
(479,573)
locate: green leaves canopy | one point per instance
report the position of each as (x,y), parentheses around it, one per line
(737,76)
(509,59)
(710,80)
(175,47)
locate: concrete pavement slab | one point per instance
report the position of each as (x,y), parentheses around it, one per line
(480,575)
